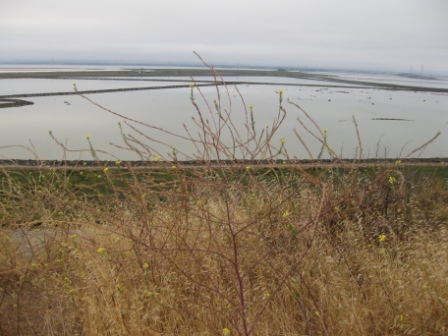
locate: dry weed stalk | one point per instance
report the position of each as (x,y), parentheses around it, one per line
(231,246)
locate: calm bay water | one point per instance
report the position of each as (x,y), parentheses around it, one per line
(72,118)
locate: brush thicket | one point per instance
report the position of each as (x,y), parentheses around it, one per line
(244,242)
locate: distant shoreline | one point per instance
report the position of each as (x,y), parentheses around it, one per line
(5,103)
(194,73)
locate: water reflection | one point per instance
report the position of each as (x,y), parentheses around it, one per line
(38,85)
(398,80)
(71,118)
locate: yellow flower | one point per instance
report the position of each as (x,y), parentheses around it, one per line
(325,130)
(248,168)
(286,214)
(101,250)
(382,238)
(251,106)
(226,331)
(266,295)
(118,162)
(398,162)
(157,158)
(174,167)
(191,85)
(280,92)
(392,180)
(425,287)
(145,265)
(283,141)
(106,170)
(87,137)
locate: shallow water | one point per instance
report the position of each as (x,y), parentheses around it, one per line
(398,80)
(71,118)
(34,85)
(265,79)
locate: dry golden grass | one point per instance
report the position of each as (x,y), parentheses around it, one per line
(260,263)
(227,249)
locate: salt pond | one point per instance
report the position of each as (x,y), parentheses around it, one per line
(419,115)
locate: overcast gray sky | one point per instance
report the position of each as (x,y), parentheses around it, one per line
(372,34)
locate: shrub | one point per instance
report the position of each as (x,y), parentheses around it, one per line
(244,240)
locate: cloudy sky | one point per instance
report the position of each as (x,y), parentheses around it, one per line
(371,34)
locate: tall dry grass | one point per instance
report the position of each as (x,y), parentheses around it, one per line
(227,247)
